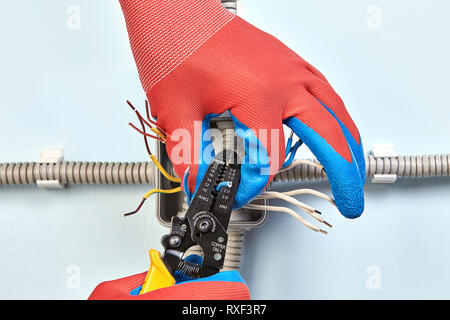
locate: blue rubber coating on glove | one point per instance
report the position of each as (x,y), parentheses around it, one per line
(344,177)
(255,167)
(229,276)
(135,291)
(355,148)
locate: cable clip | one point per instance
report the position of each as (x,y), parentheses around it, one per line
(383,150)
(50,158)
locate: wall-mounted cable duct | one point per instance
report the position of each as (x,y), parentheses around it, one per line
(143,172)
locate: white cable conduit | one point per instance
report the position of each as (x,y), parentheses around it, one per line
(143,172)
(402,166)
(78,172)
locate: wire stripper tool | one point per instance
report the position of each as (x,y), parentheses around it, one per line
(205,224)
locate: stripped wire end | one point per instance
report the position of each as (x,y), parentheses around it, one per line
(161,136)
(145,133)
(288,197)
(327,224)
(148,194)
(149,122)
(137,209)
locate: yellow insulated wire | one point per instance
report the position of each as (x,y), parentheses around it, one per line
(148,194)
(174,190)
(159,133)
(163,171)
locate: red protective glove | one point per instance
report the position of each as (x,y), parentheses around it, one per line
(197,60)
(222,286)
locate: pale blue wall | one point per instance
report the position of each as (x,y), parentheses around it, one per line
(65,89)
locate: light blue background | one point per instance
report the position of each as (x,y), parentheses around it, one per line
(64,88)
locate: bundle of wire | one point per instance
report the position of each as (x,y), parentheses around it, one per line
(289,196)
(161,136)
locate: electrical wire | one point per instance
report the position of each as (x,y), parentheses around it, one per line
(161,137)
(308,209)
(142,125)
(300,162)
(287,210)
(159,133)
(163,171)
(311,192)
(275,194)
(156,130)
(145,134)
(291,150)
(148,194)
(289,143)
(152,123)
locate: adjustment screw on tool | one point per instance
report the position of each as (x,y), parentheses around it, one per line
(204,225)
(174,241)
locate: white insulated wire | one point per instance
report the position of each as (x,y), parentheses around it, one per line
(279,195)
(287,210)
(307,162)
(311,192)
(286,196)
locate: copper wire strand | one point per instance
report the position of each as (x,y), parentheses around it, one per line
(304,207)
(145,134)
(149,193)
(149,153)
(147,111)
(145,138)
(137,209)
(152,123)
(159,130)
(155,161)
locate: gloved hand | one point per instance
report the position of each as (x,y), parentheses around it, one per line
(226,285)
(196,60)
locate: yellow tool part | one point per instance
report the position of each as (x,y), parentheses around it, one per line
(158,276)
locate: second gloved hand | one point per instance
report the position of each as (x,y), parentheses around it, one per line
(196,60)
(226,285)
